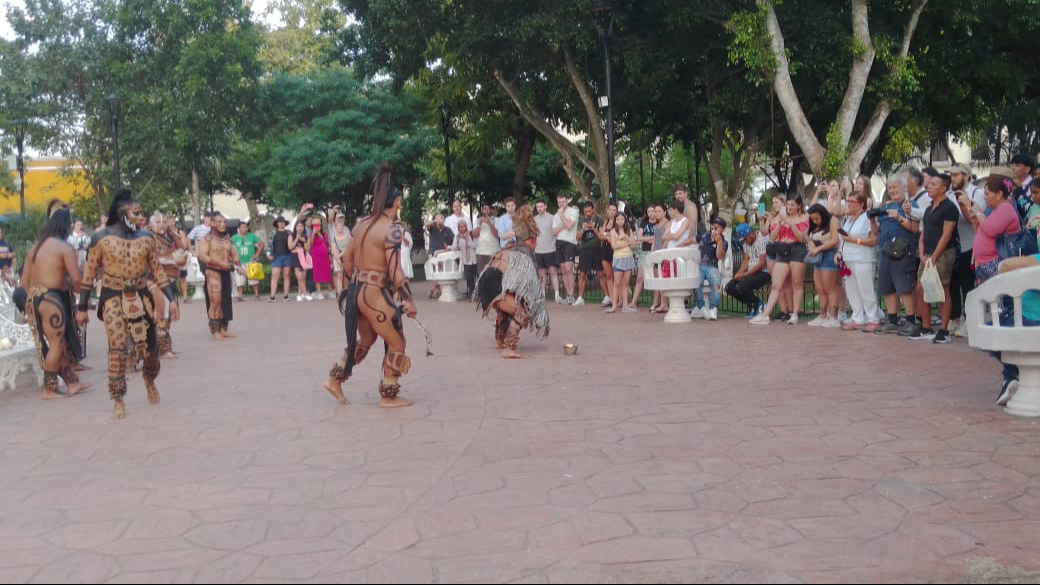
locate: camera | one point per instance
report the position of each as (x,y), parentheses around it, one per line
(876,213)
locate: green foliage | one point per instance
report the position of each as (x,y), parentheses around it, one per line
(22,232)
(837,154)
(750,45)
(327,133)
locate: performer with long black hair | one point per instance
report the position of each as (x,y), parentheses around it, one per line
(49,268)
(124,255)
(372,262)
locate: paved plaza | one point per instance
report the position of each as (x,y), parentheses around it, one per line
(709,452)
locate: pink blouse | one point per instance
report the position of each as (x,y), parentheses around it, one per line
(1003,220)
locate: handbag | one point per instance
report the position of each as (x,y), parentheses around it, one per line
(306,262)
(813,258)
(255,271)
(897,248)
(1020,243)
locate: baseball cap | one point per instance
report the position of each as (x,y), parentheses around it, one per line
(959,168)
(719,222)
(742,231)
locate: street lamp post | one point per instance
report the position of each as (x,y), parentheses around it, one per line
(604,14)
(446,129)
(20,126)
(113,113)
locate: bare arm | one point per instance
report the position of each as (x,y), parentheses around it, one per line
(72,266)
(204,254)
(399,282)
(347,258)
(758,267)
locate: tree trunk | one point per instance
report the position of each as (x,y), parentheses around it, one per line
(255,220)
(859,74)
(523,150)
(196,197)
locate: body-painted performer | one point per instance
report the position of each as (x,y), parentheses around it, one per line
(126,254)
(49,268)
(372,261)
(510,285)
(172,258)
(218,255)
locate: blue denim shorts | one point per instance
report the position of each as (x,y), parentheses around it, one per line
(282,261)
(827,261)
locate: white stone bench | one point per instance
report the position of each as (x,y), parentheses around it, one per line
(1018,344)
(196,278)
(446,270)
(21,355)
(684,267)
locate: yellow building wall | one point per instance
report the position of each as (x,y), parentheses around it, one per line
(45,179)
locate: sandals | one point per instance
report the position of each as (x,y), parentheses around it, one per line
(657,311)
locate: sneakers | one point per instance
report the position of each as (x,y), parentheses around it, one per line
(755,311)
(886,327)
(559,299)
(578,303)
(714,315)
(308,298)
(1007,390)
(569,300)
(319,296)
(923,335)
(760,319)
(697,313)
(961,330)
(817,322)
(943,336)
(793,319)
(285,298)
(299,298)
(831,323)
(606,301)
(270,300)
(909,329)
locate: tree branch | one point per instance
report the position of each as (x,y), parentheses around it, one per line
(596,138)
(560,142)
(859,74)
(884,107)
(785,92)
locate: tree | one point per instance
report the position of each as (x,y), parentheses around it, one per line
(327,133)
(838,154)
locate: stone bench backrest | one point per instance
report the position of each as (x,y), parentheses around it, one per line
(985,305)
(446,265)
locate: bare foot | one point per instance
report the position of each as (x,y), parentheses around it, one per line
(218,337)
(512,354)
(80,368)
(50,395)
(228,335)
(120,410)
(336,389)
(168,356)
(78,387)
(153,395)
(394,402)
(500,345)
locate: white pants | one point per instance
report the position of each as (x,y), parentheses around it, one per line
(859,289)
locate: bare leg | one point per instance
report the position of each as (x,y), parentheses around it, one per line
(798,284)
(52,318)
(338,375)
(512,316)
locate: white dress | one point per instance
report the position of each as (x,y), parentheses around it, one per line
(406,255)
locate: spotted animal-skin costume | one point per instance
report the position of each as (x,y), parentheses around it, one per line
(124,258)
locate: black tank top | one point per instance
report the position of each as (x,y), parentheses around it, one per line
(280,243)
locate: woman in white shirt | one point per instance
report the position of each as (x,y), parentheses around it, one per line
(860,237)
